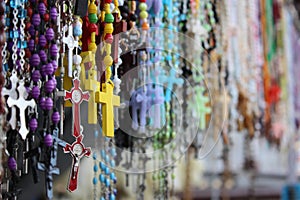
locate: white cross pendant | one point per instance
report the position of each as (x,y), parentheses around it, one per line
(22,104)
(71,43)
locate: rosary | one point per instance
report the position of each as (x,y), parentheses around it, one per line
(147,81)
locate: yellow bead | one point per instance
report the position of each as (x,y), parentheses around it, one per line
(92,47)
(144,14)
(108,28)
(92,8)
(107,61)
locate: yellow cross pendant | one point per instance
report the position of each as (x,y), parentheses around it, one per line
(90,84)
(108,101)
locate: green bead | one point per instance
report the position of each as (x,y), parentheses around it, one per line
(153,177)
(93,18)
(109,18)
(173,176)
(143,6)
(173,134)
(144,14)
(212,21)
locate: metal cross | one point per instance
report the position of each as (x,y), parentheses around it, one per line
(77,150)
(108,101)
(76,96)
(71,43)
(14,95)
(22,104)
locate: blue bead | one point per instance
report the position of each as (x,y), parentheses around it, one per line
(95,168)
(107,182)
(102,178)
(96,133)
(94,156)
(112,176)
(102,166)
(115,180)
(107,170)
(112,163)
(13,34)
(7,22)
(102,198)
(22,14)
(95,181)
(107,159)
(77,31)
(112,197)
(115,191)
(103,154)
(113,152)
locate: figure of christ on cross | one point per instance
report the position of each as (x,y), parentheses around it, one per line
(76,96)
(77,150)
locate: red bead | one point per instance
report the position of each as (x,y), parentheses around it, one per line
(109,38)
(36,40)
(27,53)
(46,17)
(29,11)
(92,27)
(28,24)
(108,1)
(142,1)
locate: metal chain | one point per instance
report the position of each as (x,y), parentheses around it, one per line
(22,36)
(4,49)
(15,29)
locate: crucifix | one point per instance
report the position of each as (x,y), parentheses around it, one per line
(49,166)
(71,43)
(76,96)
(77,150)
(22,104)
(12,93)
(171,80)
(108,101)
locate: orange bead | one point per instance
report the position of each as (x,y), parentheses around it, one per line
(145,26)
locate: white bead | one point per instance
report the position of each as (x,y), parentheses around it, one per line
(77,59)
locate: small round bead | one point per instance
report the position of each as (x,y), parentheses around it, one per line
(112,163)
(48,140)
(12,164)
(143,6)
(55,117)
(35,92)
(112,175)
(112,197)
(95,181)
(77,59)
(77,31)
(107,171)
(29,12)
(33,124)
(107,61)
(107,182)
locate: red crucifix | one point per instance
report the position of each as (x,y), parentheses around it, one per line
(76,96)
(77,150)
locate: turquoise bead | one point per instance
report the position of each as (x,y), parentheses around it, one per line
(112,163)
(95,168)
(95,181)
(113,152)
(102,166)
(112,197)
(107,171)
(102,178)
(103,154)
(102,198)
(106,158)
(107,182)
(112,176)
(94,156)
